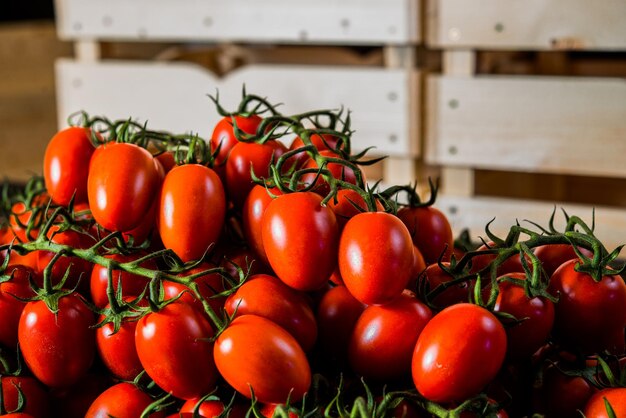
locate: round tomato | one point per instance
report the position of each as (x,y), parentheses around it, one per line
(256,203)
(224,135)
(375,257)
(66,165)
(430,230)
(300,237)
(123,181)
(615,397)
(192,210)
(35,396)
(253,353)
(458,353)
(123,400)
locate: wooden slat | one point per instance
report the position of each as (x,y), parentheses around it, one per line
(528,24)
(544,124)
(172,96)
(475,212)
(322,21)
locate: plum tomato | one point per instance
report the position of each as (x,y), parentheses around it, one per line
(430,230)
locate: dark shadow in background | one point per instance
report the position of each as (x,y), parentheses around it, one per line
(16,10)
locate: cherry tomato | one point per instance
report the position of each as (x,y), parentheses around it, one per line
(430,230)
(224,135)
(383,339)
(58,348)
(348,204)
(66,165)
(458,353)
(296,227)
(123,400)
(375,257)
(36,397)
(252,215)
(267,296)
(255,353)
(553,255)
(123,181)
(337,170)
(596,407)
(192,210)
(174,348)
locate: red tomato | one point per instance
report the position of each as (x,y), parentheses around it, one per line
(252,215)
(18,222)
(122,184)
(267,296)
(458,352)
(192,210)
(118,351)
(562,395)
(596,407)
(336,170)
(10,311)
(66,165)
(588,315)
(419,265)
(224,136)
(174,348)
(208,286)
(553,255)
(254,352)
(296,227)
(430,231)
(345,208)
(207,409)
(246,259)
(36,397)
(268,411)
(123,400)
(319,141)
(58,348)
(244,157)
(383,339)
(375,257)
(167,161)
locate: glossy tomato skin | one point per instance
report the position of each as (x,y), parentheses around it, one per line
(207,409)
(434,276)
(430,230)
(268,411)
(383,339)
(375,257)
(267,296)
(254,208)
(588,315)
(123,400)
(66,165)
(117,350)
(123,181)
(174,348)
(36,397)
(254,352)
(10,311)
(596,407)
(58,349)
(458,353)
(224,136)
(297,227)
(192,210)
(344,205)
(553,255)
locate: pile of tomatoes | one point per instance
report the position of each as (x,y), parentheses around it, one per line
(158,275)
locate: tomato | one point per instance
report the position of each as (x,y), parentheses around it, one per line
(117,350)
(58,348)
(252,215)
(337,314)
(255,353)
(596,407)
(553,255)
(375,257)
(66,165)
(268,410)
(10,311)
(167,161)
(337,170)
(123,181)
(21,275)
(245,157)
(537,315)
(496,414)
(208,286)
(36,397)
(562,395)
(192,210)
(383,339)
(430,230)
(319,141)
(419,265)
(246,259)
(19,219)
(300,237)
(224,135)
(146,229)
(588,315)
(459,351)
(174,348)
(267,296)
(123,400)
(344,205)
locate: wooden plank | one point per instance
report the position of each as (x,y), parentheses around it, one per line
(563,125)
(172,96)
(529,24)
(322,21)
(475,212)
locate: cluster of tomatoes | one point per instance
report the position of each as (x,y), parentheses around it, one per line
(161,275)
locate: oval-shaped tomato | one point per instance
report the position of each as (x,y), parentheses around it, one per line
(596,406)
(588,315)
(254,207)
(192,210)
(123,181)
(430,230)
(37,401)
(58,348)
(337,170)
(458,352)
(267,296)
(174,348)
(123,400)
(383,339)
(300,237)
(224,135)
(375,257)
(66,165)
(255,353)
(118,351)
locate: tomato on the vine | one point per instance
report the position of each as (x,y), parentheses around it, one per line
(224,133)
(118,350)
(347,204)
(320,141)
(430,230)
(597,406)
(123,400)
(337,170)
(37,401)
(254,207)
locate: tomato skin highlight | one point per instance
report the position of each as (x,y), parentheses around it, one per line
(123,400)
(255,352)
(192,210)
(224,135)
(376,257)
(459,351)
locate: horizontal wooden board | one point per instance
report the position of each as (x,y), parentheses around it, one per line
(322,21)
(172,96)
(563,125)
(528,24)
(475,212)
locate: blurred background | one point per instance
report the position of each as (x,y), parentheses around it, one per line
(517,108)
